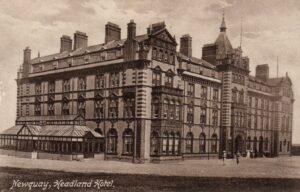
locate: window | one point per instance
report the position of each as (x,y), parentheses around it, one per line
(204,92)
(154,143)
(171,143)
(171,109)
(112,141)
(99,81)
(65,107)
(81,107)
(81,83)
(154,53)
(165,143)
(50,107)
(66,85)
(37,109)
(255,121)
(156,79)
(169,80)
(256,102)
(128,142)
(202,139)
(190,114)
(288,146)
(129,108)
(189,143)
(114,79)
(249,121)
(155,108)
(241,96)
(166,108)
(51,87)
(234,96)
(215,94)
(215,117)
(191,90)
(266,148)
(250,101)
(99,108)
(113,108)
(203,116)
(255,144)
(177,111)
(214,142)
(176,143)
(38,89)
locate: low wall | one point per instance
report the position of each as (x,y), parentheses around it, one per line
(54,156)
(200,156)
(22,154)
(165,159)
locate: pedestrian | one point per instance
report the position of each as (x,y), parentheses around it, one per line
(237,158)
(224,157)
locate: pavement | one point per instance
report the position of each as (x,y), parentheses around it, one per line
(283,167)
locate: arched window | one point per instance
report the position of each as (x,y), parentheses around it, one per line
(164,143)
(154,143)
(176,143)
(155,108)
(249,143)
(177,111)
(156,78)
(189,143)
(202,139)
(266,148)
(214,143)
(128,142)
(171,143)
(166,108)
(171,109)
(112,141)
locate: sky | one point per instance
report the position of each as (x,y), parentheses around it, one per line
(271,29)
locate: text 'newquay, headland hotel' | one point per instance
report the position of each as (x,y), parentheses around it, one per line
(138,99)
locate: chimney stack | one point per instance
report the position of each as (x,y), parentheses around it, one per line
(112,32)
(26,61)
(80,40)
(130,45)
(65,43)
(131,30)
(186,45)
(262,72)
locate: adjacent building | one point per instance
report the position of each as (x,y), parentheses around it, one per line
(138,99)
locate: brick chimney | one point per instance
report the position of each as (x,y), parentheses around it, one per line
(131,29)
(26,61)
(262,72)
(112,32)
(186,45)
(130,46)
(65,43)
(80,40)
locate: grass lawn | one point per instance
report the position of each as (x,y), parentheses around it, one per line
(135,182)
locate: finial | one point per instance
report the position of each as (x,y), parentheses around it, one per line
(38,53)
(223,25)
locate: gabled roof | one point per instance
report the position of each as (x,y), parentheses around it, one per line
(276,80)
(34,129)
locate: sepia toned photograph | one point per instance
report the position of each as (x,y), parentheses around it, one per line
(150,95)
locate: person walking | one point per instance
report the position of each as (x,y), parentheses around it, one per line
(224,157)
